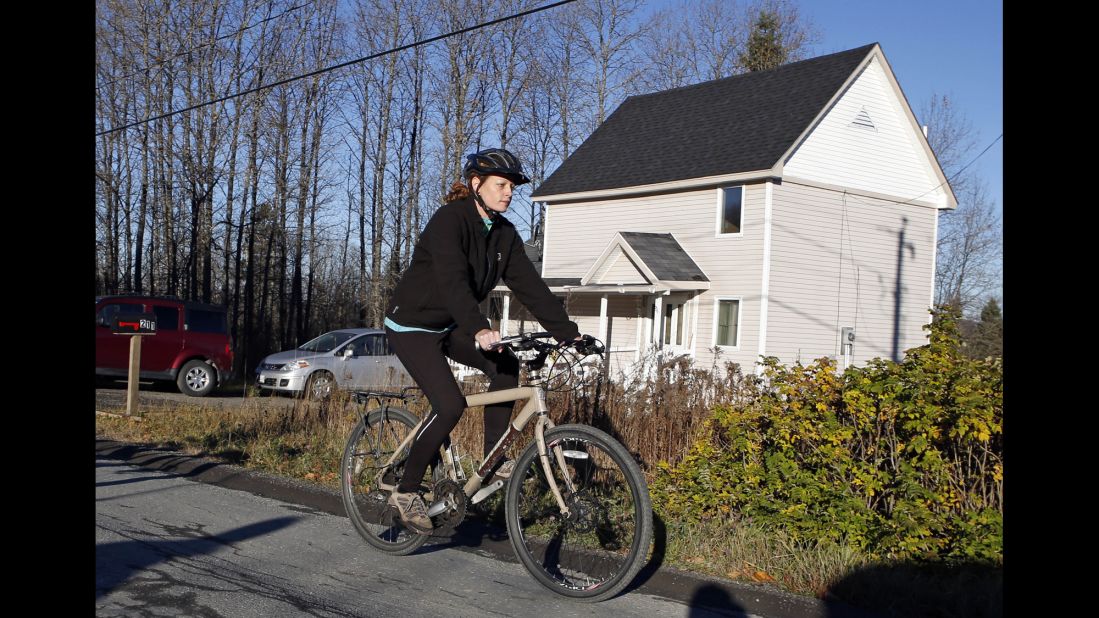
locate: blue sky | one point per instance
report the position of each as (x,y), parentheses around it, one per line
(952,48)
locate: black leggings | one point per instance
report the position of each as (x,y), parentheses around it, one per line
(424,356)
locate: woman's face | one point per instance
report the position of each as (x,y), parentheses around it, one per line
(495,191)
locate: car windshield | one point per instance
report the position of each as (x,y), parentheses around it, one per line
(326,342)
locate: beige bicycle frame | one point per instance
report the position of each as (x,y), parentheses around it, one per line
(536,405)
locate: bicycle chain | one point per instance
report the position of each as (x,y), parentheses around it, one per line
(449,519)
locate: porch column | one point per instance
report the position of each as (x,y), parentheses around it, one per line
(603,318)
(658,322)
(504,317)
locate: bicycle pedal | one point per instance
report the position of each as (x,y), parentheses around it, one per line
(486,491)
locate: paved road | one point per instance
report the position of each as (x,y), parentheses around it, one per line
(167,546)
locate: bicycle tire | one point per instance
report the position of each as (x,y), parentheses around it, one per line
(596,552)
(371,442)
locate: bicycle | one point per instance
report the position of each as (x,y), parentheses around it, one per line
(577,506)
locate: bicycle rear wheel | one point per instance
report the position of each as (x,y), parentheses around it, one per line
(373,440)
(594,552)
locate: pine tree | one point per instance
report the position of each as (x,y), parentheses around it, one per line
(988,338)
(765,49)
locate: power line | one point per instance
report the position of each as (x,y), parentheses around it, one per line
(958,173)
(194,49)
(339,66)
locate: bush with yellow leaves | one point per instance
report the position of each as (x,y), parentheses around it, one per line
(898,459)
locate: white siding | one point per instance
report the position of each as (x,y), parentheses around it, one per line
(888,159)
(623,322)
(619,268)
(842,260)
(581,231)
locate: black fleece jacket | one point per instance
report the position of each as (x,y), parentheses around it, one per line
(454,267)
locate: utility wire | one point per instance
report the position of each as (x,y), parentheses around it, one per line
(339,66)
(185,52)
(958,173)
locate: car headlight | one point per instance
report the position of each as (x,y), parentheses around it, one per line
(291,366)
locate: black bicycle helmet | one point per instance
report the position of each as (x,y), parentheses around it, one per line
(495,161)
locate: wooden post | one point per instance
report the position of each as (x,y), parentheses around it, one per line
(135,371)
(136,326)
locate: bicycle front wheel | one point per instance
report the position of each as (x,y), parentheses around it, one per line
(373,441)
(595,551)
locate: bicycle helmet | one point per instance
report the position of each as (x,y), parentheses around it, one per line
(495,161)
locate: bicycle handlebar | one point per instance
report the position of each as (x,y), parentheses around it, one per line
(586,345)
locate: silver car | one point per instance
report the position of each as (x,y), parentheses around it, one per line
(348,359)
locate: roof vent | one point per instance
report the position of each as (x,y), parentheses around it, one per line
(863,121)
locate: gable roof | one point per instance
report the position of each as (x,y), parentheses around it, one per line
(664,256)
(736,124)
(651,262)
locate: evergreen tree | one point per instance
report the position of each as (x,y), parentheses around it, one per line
(987,339)
(765,49)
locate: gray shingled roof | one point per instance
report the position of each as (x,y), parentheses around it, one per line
(664,256)
(737,124)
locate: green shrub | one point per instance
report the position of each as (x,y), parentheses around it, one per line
(898,459)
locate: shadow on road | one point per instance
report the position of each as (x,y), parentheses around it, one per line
(115,563)
(710,601)
(908,589)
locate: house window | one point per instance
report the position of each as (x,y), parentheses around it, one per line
(727,323)
(673,314)
(730,210)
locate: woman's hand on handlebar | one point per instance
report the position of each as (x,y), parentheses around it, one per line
(486,339)
(586,344)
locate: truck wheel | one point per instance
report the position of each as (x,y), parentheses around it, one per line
(196,378)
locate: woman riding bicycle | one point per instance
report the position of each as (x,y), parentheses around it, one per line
(465,249)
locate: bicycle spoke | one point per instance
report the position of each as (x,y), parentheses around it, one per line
(600,543)
(373,442)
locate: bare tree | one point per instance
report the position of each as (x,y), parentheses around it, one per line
(969,261)
(668,51)
(695,41)
(968,266)
(459,87)
(608,32)
(509,60)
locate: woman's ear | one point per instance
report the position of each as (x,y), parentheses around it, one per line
(474,186)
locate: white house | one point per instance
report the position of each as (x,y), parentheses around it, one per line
(764,214)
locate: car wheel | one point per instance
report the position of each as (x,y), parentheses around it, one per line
(320,386)
(196,379)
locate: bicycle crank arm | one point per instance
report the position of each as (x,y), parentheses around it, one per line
(439,507)
(484,492)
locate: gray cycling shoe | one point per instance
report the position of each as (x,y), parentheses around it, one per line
(412,511)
